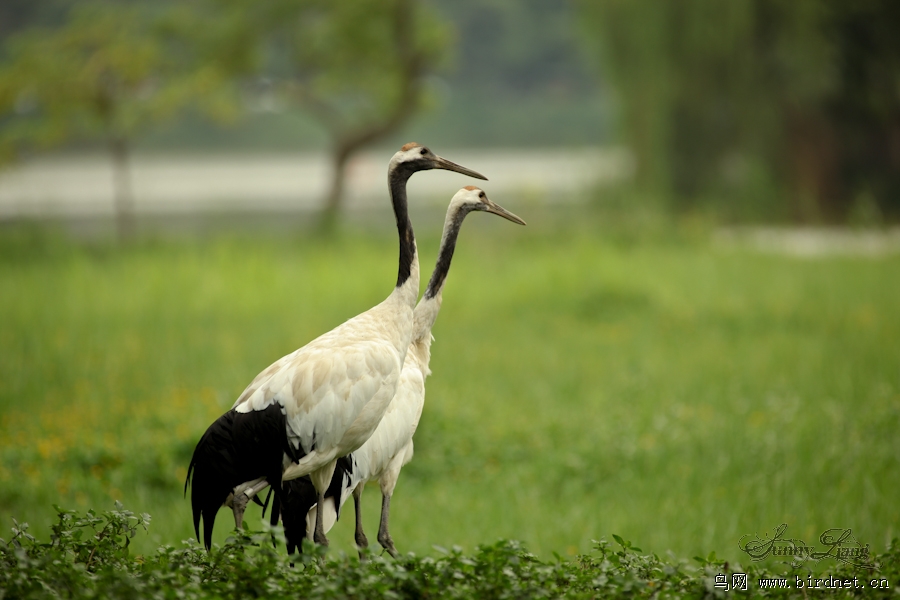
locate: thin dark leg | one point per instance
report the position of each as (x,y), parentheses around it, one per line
(384,536)
(362,542)
(319,535)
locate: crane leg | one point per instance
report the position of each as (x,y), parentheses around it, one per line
(384,536)
(388,481)
(319,534)
(238,505)
(240,498)
(362,542)
(321,479)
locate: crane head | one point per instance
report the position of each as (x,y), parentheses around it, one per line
(472,198)
(416,157)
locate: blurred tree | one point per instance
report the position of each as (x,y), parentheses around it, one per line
(508,73)
(107,73)
(755,101)
(358,66)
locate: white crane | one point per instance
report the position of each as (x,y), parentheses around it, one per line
(391,445)
(322,401)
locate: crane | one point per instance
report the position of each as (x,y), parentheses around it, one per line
(391,445)
(322,401)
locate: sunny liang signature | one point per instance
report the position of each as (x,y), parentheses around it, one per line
(837,543)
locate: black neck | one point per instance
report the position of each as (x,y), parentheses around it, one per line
(445,254)
(397,185)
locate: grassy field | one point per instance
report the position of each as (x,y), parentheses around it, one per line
(585,382)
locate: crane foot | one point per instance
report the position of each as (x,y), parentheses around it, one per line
(320,539)
(387,543)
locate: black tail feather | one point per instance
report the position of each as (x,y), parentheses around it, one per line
(236,448)
(298,496)
(268,497)
(291,505)
(209,520)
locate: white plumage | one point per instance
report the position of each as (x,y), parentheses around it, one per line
(335,389)
(322,401)
(390,447)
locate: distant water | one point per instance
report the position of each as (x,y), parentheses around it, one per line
(174,184)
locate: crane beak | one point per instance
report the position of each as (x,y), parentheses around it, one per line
(493,207)
(443,163)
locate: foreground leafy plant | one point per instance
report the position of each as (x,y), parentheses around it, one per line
(88,556)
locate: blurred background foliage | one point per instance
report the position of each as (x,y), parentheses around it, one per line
(766,108)
(752,110)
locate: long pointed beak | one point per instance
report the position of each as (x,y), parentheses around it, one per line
(493,207)
(443,163)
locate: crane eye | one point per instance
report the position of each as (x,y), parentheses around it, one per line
(481,195)
(423,151)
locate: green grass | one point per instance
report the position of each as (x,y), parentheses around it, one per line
(585,382)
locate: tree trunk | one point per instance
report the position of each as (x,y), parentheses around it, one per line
(815,168)
(411,62)
(339,158)
(123,201)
